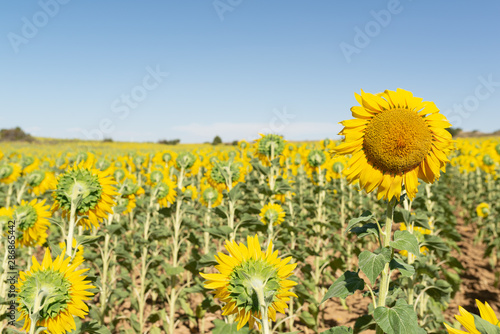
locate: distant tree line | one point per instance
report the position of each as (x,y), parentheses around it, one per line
(169,142)
(16,134)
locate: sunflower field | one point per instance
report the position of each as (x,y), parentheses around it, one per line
(364,234)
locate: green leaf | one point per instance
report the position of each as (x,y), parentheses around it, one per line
(93,328)
(407,241)
(338,330)
(372,264)
(433,242)
(366,229)
(172,271)
(365,217)
(344,286)
(406,270)
(307,318)
(222,328)
(87,239)
(401,319)
(484,327)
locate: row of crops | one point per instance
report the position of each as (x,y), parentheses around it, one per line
(256,238)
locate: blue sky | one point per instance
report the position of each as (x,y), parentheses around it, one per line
(150,70)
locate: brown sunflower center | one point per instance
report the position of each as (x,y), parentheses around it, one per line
(397,140)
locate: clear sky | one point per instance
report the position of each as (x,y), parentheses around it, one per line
(150,70)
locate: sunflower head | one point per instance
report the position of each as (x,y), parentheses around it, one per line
(90,190)
(483,210)
(9,172)
(395,138)
(185,160)
(269,147)
(210,196)
(243,144)
(488,160)
(54,291)
(251,280)
(224,173)
(338,167)
(80,186)
(467,320)
(32,222)
(190,192)
(156,176)
(103,164)
(316,158)
(272,214)
(165,192)
(36,177)
(119,174)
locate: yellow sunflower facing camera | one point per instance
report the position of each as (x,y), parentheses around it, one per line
(395,139)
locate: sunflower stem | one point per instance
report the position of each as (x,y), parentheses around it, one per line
(386,235)
(21,191)
(9,194)
(258,287)
(71,231)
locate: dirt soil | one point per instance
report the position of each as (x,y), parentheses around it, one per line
(477,279)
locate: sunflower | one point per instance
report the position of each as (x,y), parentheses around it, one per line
(165,192)
(395,138)
(190,192)
(269,147)
(467,319)
(64,288)
(41,181)
(221,174)
(210,197)
(272,214)
(247,274)
(335,167)
(91,190)
(483,210)
(9,172)
(5,217)
(32,222)
(29,164)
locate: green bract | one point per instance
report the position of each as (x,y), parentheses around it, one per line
(103,164)
(487,160)
(36,177)
(210,194)
(271,215)
(185,160)
(338,167)
(25,217)
(316,158)
(156,176)
(162,190)
(166,157)
(271,144)
(26,161)
(54,285)
(81,186)
(119,174)
(220,172)
(5,170)
(247,278)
